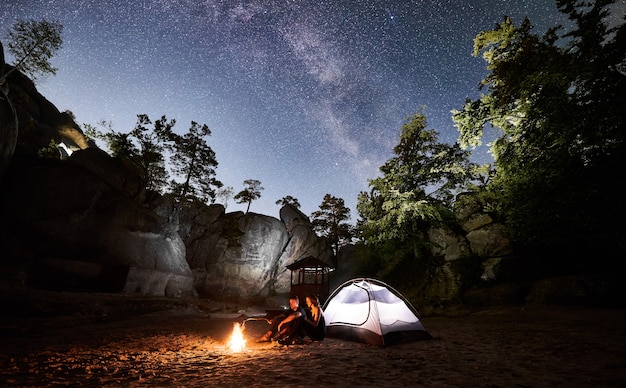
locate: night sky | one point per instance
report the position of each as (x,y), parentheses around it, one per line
(306,96)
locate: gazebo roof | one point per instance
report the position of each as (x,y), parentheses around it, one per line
(308,262)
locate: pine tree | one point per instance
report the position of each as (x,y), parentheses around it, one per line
(289,200)
(193,165)
(329,221)
(252,191)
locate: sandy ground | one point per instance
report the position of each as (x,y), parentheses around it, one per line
(114,341)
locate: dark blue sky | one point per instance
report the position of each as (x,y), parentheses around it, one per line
(306,96)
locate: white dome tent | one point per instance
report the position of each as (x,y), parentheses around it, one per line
(370,311)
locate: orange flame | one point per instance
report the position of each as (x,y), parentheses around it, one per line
(237,343)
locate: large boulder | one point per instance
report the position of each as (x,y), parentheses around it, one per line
(444,242)
(249,267)
(292,217)
(491,240)
(237,255)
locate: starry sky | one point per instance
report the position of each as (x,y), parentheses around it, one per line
(306,96)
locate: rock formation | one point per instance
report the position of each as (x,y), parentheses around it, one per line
(8,118)
(64,227)
(86,222)
(28,121)
(477,238)
(237,255)
(480,238)
(79,223)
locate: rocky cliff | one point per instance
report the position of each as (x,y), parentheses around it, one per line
(64,226)
(85,221)
(237,255)
(29,122)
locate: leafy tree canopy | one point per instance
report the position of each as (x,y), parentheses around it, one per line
(416,185)
(330,221)
(559,101)
(32,44)
(193,164)
(224,194)
(144,146)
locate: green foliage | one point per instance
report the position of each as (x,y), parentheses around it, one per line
(559,103)
(32,44)
(193,162)
(415,191)
(51,151)
(365,262)
(288,200)
(144,147)
(152,143)
(416,188)
(330,221)
(252,191)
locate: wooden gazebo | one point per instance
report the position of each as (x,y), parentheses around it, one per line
(309,276)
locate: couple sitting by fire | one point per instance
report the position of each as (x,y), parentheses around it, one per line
(291,327)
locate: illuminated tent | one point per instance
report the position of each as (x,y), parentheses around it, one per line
(370,311)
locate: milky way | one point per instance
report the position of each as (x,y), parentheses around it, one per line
(306,96)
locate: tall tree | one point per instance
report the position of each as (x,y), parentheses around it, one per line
(330,221)
(289,200)
(416,185)
(152,145)
(144,146)
(251,191)
(32,44)
(559,101)
(193,162)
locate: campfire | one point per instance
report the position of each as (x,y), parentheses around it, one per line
(237,342)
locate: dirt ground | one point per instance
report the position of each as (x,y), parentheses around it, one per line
(51,339)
